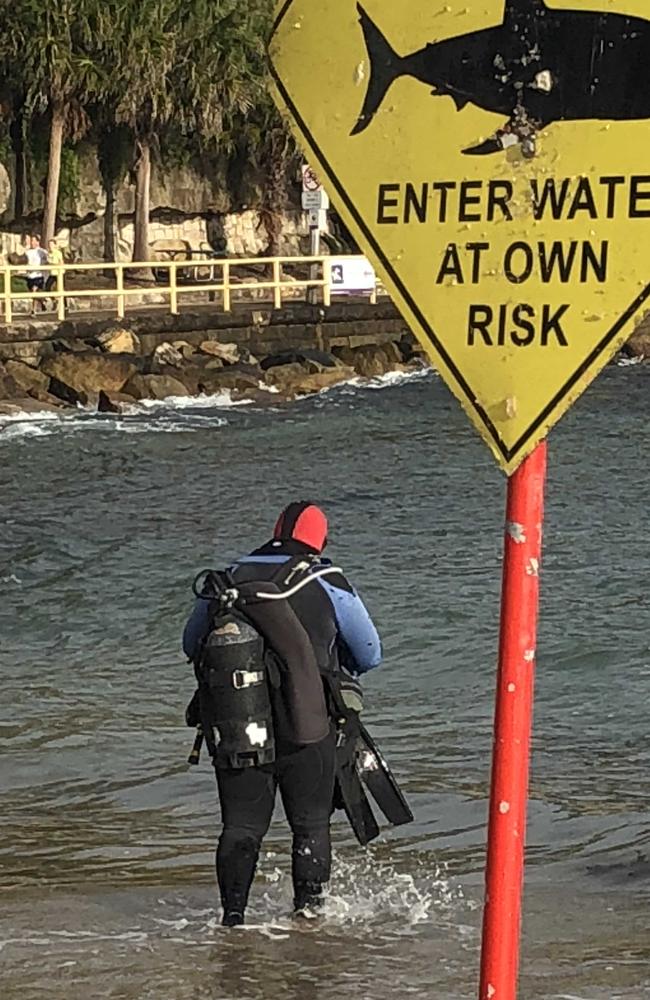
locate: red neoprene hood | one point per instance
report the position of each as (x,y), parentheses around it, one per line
(303,522)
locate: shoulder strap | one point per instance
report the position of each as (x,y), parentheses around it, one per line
(291,572)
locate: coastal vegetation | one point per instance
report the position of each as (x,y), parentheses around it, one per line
(161,82)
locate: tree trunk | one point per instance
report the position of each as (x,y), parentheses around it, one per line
(110,241)
(17,133)
(53,173)
(142,200)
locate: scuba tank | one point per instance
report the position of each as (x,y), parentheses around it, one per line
(234,692)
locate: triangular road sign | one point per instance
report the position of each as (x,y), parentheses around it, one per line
(492,161)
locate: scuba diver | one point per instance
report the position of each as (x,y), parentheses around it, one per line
(277,642)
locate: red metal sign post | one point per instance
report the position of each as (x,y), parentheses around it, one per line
(512,729)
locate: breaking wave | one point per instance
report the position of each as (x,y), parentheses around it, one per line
(172,415)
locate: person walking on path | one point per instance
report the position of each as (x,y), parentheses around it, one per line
(55,258)
(36,258)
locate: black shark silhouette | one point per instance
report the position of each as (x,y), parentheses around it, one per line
(539,66)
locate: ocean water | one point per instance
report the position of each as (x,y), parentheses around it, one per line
(106,837)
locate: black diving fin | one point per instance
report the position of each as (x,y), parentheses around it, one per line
(351,797)
(349,793)
(359,762)
(380,781)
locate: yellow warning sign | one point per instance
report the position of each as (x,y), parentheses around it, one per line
(492,159)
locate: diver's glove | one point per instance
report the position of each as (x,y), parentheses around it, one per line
(351,693)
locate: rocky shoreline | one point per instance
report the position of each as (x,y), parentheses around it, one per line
(110,371)
(114,367)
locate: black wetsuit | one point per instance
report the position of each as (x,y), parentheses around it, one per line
(305,777)
(304,774)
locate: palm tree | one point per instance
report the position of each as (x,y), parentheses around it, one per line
(141,51)
(220,65)
(198,65)
(114,154)
(267,143)
(48,45)
(12,101)
(145,68)
(220,82)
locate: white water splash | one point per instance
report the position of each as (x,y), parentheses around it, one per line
(217,401)
(173,414)
(364,890)
(392,379)
(164,418)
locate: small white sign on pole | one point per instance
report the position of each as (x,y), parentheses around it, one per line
(315,201)
(314,198)
(352,274)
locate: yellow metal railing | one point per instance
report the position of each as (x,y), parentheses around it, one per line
(220,279)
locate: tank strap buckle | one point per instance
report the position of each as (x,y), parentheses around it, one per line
(246,678)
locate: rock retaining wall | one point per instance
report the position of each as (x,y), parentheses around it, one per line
(265,355)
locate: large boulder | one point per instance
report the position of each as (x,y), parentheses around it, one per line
(283,377)
(113,402)
(24,404)
(195,378)
(185,348)
(233,378)
(208,380)
(30,352)
(90,372)
(154,387)
(311,359)
(27,377)
(373,360)
(293,380)
(51,401)
(638,346)
(228,353)
(324,380)
(167,354)
(67,393)
(9,388)
(119,341)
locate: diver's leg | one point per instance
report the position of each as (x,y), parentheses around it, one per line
(306,778)
(247,796)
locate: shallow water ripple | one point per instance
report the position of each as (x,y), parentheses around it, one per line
(106,840)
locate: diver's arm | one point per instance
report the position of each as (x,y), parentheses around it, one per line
(356,627)
(196,628)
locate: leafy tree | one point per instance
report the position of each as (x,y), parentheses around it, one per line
(114,155)
(47,48)
(12,100)
(199,65)
(192,72)
(220,65)
(141,50)
(222,80)
(268,144)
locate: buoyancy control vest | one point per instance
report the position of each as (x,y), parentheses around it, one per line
(257,648)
